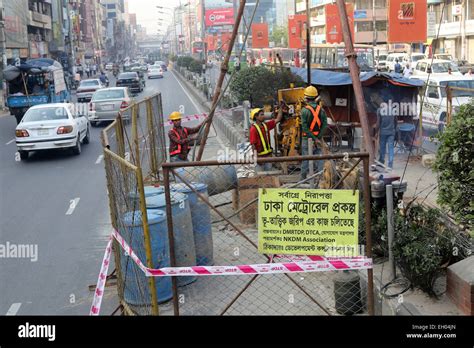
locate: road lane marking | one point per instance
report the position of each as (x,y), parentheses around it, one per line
(72,205)
(11,141)
(14,309)
(99,159)
(198,109)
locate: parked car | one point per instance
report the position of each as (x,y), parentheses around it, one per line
(435,67)
(381,62)
(155,73)
(443,56)
(130,80)
(52,126)
(435,103)
(108,102)
(109,66)
(415,57)
(87,88)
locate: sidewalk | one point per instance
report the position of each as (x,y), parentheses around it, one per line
(4,113)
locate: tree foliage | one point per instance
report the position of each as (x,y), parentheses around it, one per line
(280,36)
(455,166)
(260,85)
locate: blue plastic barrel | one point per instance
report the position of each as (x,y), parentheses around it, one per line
(149,191)
(201,217)
(185,250)
(136,290)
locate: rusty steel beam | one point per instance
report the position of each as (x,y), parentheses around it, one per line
(354,71)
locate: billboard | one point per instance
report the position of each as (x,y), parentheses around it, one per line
(333,23)
(16,21)
(296,31)
(259,35)
(407,21)
(219,16)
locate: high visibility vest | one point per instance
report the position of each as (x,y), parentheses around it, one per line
(266,147)
(316,120)
(178,150)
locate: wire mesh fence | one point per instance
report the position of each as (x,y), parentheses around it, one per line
(223,230)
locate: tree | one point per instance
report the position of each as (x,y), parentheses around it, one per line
(455,166)
(279,36)
(260,85)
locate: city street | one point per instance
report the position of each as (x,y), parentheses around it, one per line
(58,202)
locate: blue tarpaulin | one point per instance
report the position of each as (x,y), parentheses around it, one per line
(334,78)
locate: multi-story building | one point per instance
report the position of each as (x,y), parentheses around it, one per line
(39,28)
(456,27)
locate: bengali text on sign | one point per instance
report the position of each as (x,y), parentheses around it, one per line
(308,222)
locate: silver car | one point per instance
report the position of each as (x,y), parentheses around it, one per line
(108,102)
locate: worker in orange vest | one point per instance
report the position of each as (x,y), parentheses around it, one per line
(313,124)
(179,138)
(259,136)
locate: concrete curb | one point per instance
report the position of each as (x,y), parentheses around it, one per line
(224,126)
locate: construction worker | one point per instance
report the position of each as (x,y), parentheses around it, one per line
(313,124)
(260,135)
(179,138)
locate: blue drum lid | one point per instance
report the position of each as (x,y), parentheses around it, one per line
(185,189)
(134,218)
(149,191)
(159,201)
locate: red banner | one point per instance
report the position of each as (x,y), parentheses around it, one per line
(259,35)
(407,21)
(211,42)
(219,16)
(333,23)
(296,31)
(225,39)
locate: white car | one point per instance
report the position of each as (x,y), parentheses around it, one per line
(109,66)
(403,59)
(87,88)
(155,72)
(435,67)
(415,57)
(435,99)
(52,126)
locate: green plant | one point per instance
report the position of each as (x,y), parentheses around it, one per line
(423,244)
(279,36)
(260,85)
(173,57)
(455,166)
(195,66)
(184,61)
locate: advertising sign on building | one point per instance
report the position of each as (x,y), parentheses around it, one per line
(259,35)
(431,24)
(296,31)
(307,222)
(16,20)
(407,21)
(219,16)
(333,23)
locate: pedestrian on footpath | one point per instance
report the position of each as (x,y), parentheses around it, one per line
(94,69)
(80,70)
(179,138)
(259,136)
(313,124)
(407,72)
(88,71)
(386,128)
(398,67)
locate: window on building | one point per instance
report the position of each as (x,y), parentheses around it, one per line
(363,4)
(364,26)
(381,25)
(111,6)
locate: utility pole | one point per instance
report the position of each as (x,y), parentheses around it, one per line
(354,71)
(308,43)
(463,29)
(203,30)
(374,23)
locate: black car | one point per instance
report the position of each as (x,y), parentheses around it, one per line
(130,80)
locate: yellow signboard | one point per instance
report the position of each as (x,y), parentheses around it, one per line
(307,222)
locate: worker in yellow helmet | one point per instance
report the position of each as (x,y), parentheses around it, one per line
(313,124)
(179,138)
(259,135)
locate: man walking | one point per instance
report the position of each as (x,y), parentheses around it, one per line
(313,124)
(179,138)
(259,136)
(386,128)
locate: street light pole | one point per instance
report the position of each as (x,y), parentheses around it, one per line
(308,43)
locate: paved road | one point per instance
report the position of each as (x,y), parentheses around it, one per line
(36,209)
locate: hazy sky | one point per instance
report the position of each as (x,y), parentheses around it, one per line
(147,13)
